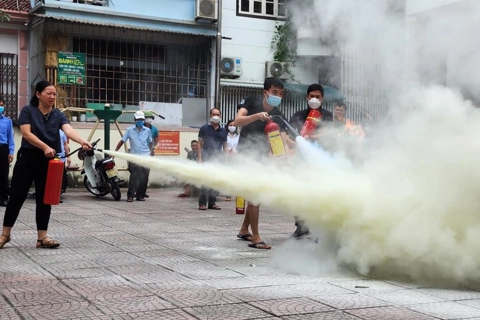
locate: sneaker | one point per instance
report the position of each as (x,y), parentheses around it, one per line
(301,232)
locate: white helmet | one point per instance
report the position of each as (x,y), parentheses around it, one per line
(139,115)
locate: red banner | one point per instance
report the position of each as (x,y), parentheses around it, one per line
(168,143)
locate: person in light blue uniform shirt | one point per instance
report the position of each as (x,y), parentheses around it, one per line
(7,148)
(140,140)
(67,160)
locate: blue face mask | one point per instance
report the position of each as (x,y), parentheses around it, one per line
(2,109)
(139,123)
(274,101)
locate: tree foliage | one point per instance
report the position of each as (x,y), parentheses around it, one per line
(284,40)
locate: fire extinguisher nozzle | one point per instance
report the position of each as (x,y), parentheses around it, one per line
(291,129)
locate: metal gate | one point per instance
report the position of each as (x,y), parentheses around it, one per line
(9,83)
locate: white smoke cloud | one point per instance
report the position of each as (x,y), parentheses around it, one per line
(409,205)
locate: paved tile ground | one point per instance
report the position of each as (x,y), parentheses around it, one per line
(165,259)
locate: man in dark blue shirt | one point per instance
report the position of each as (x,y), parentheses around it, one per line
(7,146)
(212,144)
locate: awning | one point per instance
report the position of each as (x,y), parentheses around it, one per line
(123,25)
(330,93)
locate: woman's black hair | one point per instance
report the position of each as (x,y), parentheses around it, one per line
(230,121)
(39,88)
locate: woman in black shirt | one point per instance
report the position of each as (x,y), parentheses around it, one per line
(39,124)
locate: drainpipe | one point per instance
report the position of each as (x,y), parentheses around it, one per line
(218,55)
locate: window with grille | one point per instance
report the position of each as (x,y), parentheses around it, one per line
(262,8)
(122,72)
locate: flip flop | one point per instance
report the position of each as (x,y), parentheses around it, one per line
(245,237)
(202,208)
(259,245)
(215,207)
(183,195)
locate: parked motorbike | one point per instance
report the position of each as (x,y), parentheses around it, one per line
(101,176)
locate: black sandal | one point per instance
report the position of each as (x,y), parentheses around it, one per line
(50,244)
(214,207)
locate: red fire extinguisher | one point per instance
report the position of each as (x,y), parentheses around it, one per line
(239,205)
(272,131)
(53,186)
(311,123)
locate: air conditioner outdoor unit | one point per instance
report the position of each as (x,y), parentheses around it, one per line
(276,69)
(206,9)
(231,67)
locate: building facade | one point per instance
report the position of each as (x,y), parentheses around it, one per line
(248,27)
(133,51)
(14,59)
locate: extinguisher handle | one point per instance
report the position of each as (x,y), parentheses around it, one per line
(76,150)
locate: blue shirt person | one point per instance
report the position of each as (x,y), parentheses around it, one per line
(62,155)
(149,117)
(140,140)
(7,148)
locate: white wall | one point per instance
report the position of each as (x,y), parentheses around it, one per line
(251,41)
(8,43)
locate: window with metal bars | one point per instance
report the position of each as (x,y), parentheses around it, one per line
(9,83)
(123,72)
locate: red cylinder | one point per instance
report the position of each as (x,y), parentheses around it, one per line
(239,205)
(311,123)
(272,131)
(53,186)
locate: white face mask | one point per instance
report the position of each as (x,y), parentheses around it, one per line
(232,128)
(314,103)
(215,119)
(148,120)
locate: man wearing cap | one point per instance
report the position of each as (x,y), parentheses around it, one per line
(140,140)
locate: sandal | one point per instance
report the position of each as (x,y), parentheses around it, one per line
(183,195)
(129,199)
(6,241)
(245,237)
(203,207)
(228,198)
(259,245)
(215,207)
(47,243)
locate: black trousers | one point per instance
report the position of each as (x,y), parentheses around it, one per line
(138,180)
(209,195)
(64,179)
(4,168)
(31,166)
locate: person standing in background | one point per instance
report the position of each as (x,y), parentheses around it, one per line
(140,140)
(212,144)
(66,160)
(7,148)
(232,143)
(155,133)
(191,155)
